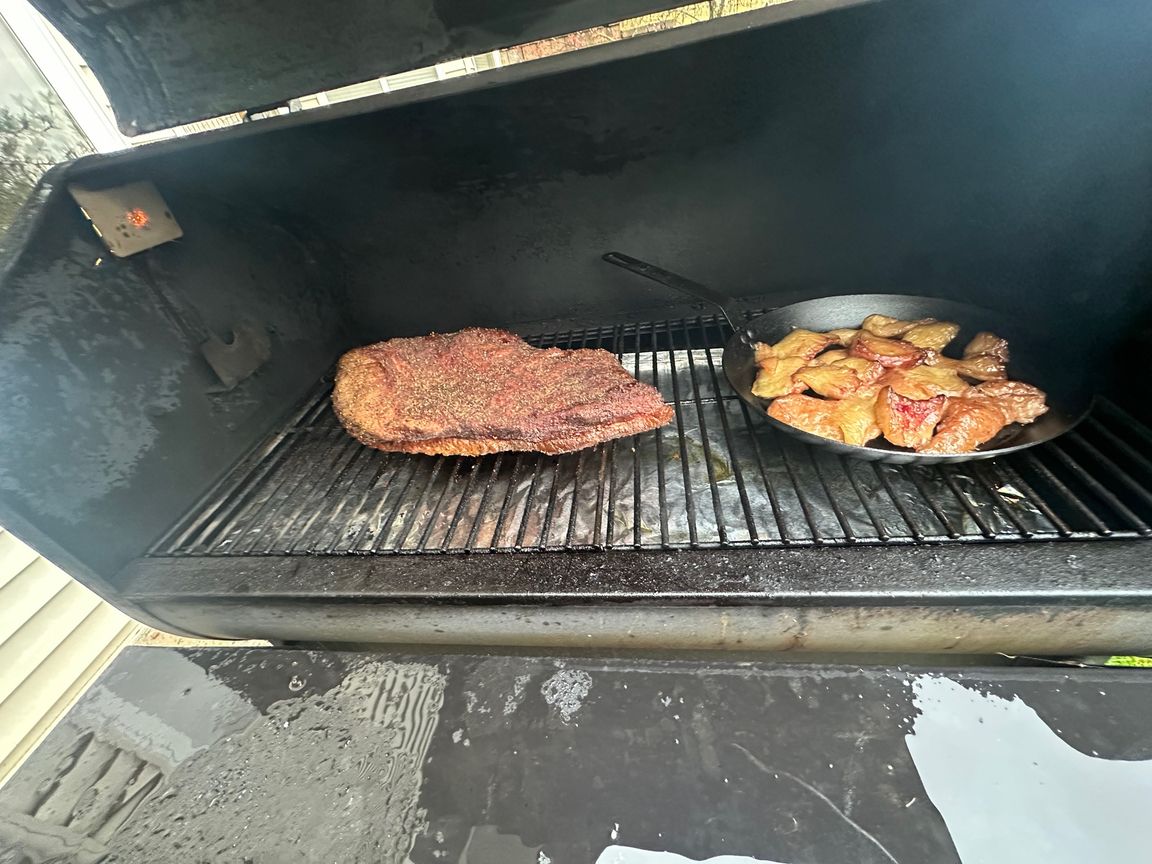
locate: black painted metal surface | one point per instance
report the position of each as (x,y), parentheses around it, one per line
(167,63)
(330,228)
(265,755)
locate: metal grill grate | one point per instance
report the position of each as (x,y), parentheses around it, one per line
(717,477)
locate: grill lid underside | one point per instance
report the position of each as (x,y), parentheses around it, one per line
(168,62)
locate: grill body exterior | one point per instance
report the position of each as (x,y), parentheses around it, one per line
(234,505)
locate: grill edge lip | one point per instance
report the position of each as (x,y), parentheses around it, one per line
(998,578)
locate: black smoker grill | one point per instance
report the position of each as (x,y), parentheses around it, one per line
(999,154)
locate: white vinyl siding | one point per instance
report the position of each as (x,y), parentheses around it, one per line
(55,636)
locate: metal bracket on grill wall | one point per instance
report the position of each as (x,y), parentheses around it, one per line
(128,218)
(234,361)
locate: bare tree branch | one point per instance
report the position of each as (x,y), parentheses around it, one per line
(35,134)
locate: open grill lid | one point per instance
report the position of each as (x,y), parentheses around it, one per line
(168,62)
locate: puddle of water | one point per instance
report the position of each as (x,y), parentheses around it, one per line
(629,855)
(1010,789)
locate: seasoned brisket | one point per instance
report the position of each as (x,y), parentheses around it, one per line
(484,391)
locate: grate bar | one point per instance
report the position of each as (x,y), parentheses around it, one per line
(1130,453)
(1020,483)
(385,527)
(982,472)
(1119,473)
(769,488)
(381,465)
(805,504)
(677,401)
(310,489)
(497,532)
(1097,487)
(662,487)
(901,508)
(305,538)
(950,481)
(618,350)
(1067,494)
(729,441)
(522,532)
(709,466)
(461,505)
(266,516)
(637,523)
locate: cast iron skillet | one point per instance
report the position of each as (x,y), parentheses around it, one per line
(1048,366)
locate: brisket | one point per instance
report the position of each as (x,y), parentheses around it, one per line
(484,391)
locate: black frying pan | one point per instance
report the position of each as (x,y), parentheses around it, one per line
(1048,366)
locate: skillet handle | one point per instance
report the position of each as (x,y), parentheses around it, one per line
(657,274)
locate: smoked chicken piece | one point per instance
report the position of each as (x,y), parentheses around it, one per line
(1020,402)
(890,377)
(979,367)
(856,417)
(818,416)
(843,335)
(764,352)
(967,423)
(802,343)
(774,377)
(908,422)
(830,357)
(985,359)
(925,382)
(851,421)
(890,328)
(935,335)
(892,353)
(869,371)
(835,381)
(985,343)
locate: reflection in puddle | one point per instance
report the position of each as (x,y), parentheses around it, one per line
(1010,789)
(628,855)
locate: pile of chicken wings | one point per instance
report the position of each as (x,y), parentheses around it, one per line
(890,378)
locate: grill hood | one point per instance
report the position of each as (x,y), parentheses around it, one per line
(168,62)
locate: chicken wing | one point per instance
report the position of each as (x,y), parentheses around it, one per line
(834,382)
(988,344)
(908,422)
(869,370)
(843,335)
(802,343)
(763,352)
(979,367)
(888,327)
(1019,402)
(851,421)
(774,377)
(892,353)
(856,417)
(967,423)
(818,416)
(830,357)
(924,382)
(890,378)
(935,335)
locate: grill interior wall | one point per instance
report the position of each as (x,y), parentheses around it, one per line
(781,160)
(872,148)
